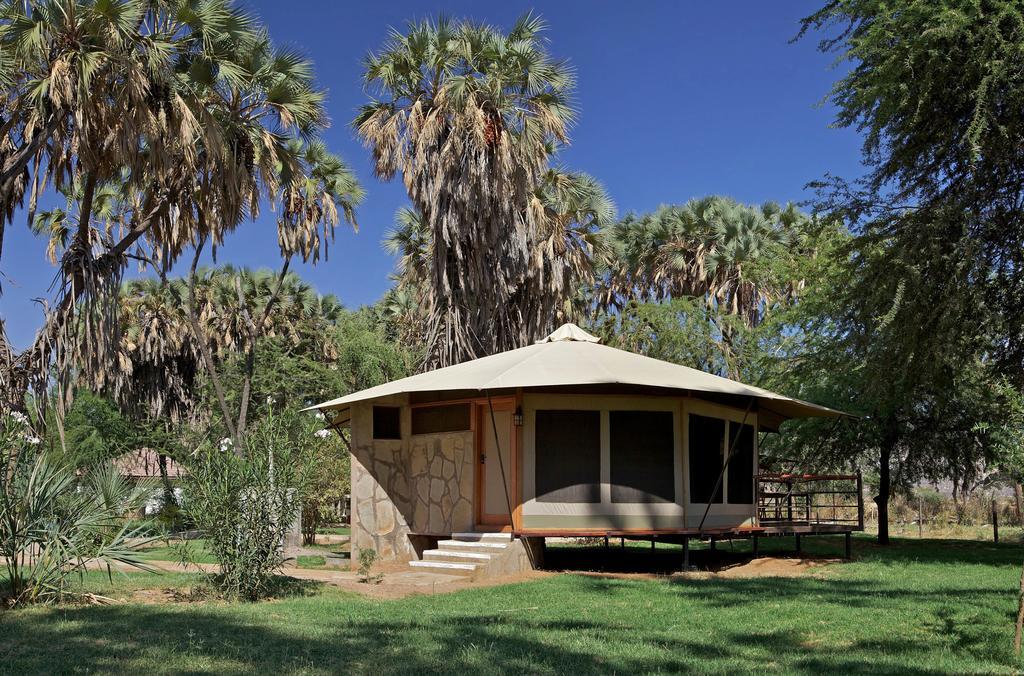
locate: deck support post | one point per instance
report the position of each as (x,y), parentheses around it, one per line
(606,542)
(849,545)
(711,543)
(622,542)
(686,553)
(799,548)
(754,544)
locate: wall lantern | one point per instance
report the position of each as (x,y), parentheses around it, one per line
(517,417)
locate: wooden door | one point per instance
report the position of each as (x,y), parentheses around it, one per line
(494,497)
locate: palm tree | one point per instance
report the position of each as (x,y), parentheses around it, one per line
(570,247)
(160,357)
(411,241)
(470,116)
(738,259)
(712,248)
(184,111)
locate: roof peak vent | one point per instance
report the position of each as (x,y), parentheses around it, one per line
(569,332)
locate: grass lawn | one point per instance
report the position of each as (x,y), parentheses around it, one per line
(162,552)
(338,530)
(917,607)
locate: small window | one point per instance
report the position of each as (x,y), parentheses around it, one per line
(741,464)
(642,456)
(568,456)
(438,419)
(387,422)
(707,436)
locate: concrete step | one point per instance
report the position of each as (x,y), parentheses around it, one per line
(471,544)
(456,554)
(444,565)
(482,537)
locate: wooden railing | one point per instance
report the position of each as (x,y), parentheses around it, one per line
(793,499)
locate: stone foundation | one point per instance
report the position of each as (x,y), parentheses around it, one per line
(417,486)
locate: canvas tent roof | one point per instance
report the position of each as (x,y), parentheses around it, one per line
(572,357)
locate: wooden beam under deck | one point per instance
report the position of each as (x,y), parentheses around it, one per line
(742,531)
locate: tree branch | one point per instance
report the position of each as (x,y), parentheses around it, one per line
(254,334)
(204,348)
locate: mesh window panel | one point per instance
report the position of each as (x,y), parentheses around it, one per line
(706,457)
(387,422)
(642,456)
(437,419)
(568,456)
(741,467)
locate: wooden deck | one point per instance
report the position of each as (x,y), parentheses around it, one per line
(683,536)
(789,504)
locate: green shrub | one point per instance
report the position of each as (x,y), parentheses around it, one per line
(245,505)
(367,558)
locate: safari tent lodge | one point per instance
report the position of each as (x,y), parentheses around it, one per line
(469,468)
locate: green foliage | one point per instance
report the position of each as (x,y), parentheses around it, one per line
(367,559)
(678,330)
(329,469)
(245,505)
(53,523)
(366,355)
(937,88)
(95,431)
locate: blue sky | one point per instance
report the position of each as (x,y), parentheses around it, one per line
(676,100)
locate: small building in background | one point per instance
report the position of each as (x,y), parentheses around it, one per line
(144,464)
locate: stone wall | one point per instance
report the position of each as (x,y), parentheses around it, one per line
(417,485)
(442,479)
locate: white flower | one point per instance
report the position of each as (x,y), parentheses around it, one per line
(226,443)
(270,400)
(35,441)
(322,434)
(320,415)
(19,417)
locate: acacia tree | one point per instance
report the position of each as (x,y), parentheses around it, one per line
(935,87)
(188,117)
(470,117)
(881,335)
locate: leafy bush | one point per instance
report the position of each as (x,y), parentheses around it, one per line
(367,558)
(330,470)
(52,523)
(245,504)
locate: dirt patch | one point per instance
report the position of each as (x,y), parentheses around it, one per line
(400,582)
(766,567)
(770,566)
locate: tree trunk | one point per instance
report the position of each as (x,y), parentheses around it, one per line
(1020,616)
(310,522)
(882,499)
(1018,496)
(166,480)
